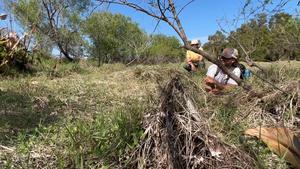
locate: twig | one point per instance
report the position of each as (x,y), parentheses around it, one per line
(185,6)
(96,6)
(6,148)
(131,62)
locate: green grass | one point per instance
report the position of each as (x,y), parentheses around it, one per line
(80,116)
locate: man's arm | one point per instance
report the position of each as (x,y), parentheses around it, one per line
(214,86)
(209,81)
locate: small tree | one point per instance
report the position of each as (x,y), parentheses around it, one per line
(114,37)
(164,48)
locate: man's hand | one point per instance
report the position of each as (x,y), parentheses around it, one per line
(193,67)
(210,82)
(215,91)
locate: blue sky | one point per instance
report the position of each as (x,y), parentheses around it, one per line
(199,19)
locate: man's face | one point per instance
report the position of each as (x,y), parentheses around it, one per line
(195,45)
(227,61)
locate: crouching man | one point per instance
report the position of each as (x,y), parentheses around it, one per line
(216,80)
(194,60)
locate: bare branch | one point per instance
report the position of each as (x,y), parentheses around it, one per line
(250,8)
(132,5)
(92,11)
(175,15)
(162,11)
(185,6)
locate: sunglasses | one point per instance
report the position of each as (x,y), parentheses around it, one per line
(224,58)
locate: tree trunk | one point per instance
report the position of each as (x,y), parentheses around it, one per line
(99,61)
(64,52)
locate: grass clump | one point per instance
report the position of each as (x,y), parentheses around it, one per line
(225,123)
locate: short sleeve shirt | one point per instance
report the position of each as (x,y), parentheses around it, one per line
(221,77)
(194,57)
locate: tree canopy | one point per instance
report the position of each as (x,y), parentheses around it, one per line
(264,39)
(164,49)
(114,37)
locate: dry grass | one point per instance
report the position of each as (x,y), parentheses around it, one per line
(281,64)
(140,117)
(177,135)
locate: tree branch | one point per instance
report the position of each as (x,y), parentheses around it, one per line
(181,30)
(184,7)
(132,5)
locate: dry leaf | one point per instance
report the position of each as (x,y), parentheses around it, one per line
(281,141)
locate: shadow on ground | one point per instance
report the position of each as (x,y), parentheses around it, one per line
(20,113)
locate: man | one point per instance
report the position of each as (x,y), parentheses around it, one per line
(216,80)
(194,60)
